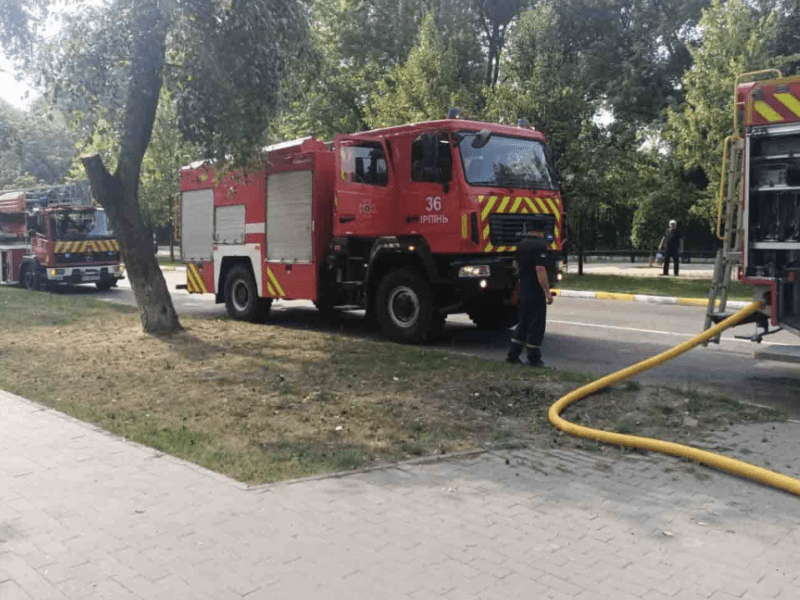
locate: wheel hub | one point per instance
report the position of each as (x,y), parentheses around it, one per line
(240,295)
(404,307)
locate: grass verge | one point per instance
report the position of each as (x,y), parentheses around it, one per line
(262,403)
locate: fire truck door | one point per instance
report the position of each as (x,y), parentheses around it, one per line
(363,188)
(430,203)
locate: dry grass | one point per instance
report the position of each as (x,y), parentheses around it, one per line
(262,403)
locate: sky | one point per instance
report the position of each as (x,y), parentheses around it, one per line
(11,90)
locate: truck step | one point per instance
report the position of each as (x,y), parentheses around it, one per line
(718,317)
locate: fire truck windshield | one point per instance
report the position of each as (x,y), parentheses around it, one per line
(79,224)
(508,162)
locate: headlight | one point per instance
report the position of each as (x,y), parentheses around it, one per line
(474,271)
(560,276)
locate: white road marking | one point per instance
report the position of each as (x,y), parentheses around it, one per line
(654,331)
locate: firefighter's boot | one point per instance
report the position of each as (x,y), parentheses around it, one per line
(535,356)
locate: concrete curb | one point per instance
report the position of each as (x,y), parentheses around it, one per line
(643,298)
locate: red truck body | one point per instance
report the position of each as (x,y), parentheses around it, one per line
(410,223)
(56,244)
(770,196)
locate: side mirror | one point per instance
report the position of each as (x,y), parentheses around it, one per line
(481,139)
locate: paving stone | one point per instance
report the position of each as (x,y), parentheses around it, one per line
(86,515)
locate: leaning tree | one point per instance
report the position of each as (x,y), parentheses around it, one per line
(222,61)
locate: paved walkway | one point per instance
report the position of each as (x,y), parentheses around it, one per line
(86,515)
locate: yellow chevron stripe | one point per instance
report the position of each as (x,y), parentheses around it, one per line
(488,207)
(790,102)
(503,204)
(489,247)
(194,282)
(86,246)
(531,205)
(766,111)
(191,286)
(486,232)
(554,207)
(464,227)
(542,206)
(517,202)
(277,285)
(271,290)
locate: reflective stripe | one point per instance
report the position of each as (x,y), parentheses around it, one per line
(277,290)
(766,111)
(194,281)
(789,101)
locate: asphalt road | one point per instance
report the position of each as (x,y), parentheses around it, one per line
(584,335)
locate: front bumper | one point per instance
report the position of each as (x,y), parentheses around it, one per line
(87,274)
(483,274)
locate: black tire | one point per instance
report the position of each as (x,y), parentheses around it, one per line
(23,276)
(241,296)
(104,286)
(33,278)
(403,306)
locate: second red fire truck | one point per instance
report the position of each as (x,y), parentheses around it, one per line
(45,244)
(410,223)
(759,209)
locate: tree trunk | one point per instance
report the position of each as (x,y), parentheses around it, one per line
(147,281)
(118,193)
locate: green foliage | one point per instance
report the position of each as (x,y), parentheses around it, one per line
(360,46)
(422,88)
(167,153)
(36,146)
(232,58)
(18,19)
(734,41)
(223,66)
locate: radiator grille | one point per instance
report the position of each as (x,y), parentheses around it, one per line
(508,229)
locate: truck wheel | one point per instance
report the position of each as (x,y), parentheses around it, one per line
(23,277)
(241,296)
(403,306)
(32,279)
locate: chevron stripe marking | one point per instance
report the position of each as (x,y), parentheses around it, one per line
(277,285)
(490,202)
(517,202)
(486,232)
(766,111)
(503,204)
(789,101)
(194,282)
(464,227)
(553,206)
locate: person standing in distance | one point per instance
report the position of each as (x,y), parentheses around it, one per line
(534,296)
(672,247)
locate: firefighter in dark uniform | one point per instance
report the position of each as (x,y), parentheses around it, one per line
(534,296)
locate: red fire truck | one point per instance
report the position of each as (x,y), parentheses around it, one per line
(759,209)
(410,223)
(43,245)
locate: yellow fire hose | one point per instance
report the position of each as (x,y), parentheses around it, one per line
(710,459)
